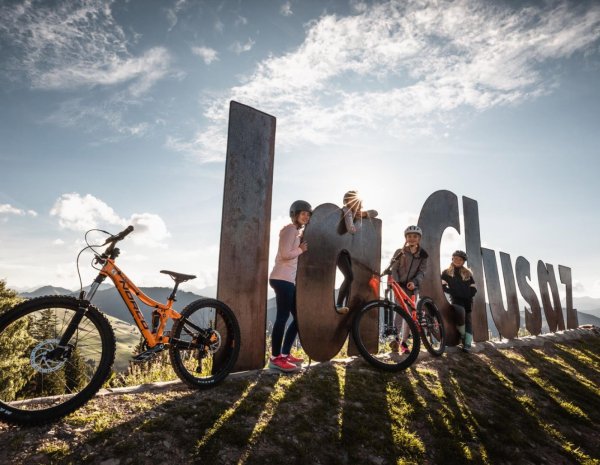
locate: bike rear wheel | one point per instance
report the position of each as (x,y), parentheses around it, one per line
(377,332)
(40,382)
(205,343)
(432,328)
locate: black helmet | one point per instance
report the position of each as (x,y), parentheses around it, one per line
(299,206)
(461,254)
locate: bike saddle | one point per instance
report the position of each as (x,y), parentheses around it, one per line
(178,277)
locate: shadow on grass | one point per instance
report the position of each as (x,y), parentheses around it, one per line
(517,406)
(564,432)
(183,428)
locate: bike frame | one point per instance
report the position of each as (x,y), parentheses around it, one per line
(402,298)
(127,289)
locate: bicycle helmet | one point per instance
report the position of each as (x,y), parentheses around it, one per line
(351,197)
(461,254)
(299,206)
(413,230)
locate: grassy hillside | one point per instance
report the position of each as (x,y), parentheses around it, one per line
(526,405)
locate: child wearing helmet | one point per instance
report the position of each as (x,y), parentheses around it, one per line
(353,215)
(408,269)
(283,281)
(458,282)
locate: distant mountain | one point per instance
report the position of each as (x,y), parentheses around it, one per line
(110,302)
(46,290)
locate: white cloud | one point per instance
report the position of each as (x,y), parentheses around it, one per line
(238,48)
(73,44)
(172,13)
(207,54)
(286,9)
(81,213)
(414,67)
(58,242)
(241,21)
(8,209)
(219,26)
(150,230)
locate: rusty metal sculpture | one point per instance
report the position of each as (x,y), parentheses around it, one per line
(565,278)
(506,320)
(553,313)
(475,263)
(533,317)
(322,331)
(245,227)
(439,212)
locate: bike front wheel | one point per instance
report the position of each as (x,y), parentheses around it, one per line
(377,332)
(40,381)
(432,328)
(205,343)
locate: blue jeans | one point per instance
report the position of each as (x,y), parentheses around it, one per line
(285,296)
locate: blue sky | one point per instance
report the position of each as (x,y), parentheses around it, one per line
(115,112)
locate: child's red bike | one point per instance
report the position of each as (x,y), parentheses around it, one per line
(377,327)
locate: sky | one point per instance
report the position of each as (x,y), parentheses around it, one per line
(115,113)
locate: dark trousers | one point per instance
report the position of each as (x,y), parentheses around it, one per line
(345,265)
(285,297)
(463,317)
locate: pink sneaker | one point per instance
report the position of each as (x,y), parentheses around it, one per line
(404,348)
(295,360)
(281,364)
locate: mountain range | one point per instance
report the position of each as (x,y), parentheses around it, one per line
(109,301)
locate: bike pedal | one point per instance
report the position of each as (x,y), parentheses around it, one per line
(148,354)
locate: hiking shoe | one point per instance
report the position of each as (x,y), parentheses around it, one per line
(394,345)
(404,348)
(295,360)
(280,363)
(340,309)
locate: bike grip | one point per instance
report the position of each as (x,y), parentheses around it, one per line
(125,232)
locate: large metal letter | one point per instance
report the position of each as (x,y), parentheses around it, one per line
(533,319)
(507,321)
(565,278)
(554,315)
(322,331)
(245,227)
(440,211)
(473,245)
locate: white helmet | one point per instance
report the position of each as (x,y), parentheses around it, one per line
(413,229)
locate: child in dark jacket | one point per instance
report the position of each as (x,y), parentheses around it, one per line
(408,269)
(458,282)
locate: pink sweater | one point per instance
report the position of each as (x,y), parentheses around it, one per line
(286,261)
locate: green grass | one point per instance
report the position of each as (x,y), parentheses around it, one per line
(523,405)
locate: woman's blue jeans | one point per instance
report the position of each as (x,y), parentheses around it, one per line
(285,297)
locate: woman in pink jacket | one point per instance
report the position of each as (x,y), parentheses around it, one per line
(283,282)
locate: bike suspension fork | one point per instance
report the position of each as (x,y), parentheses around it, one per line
(79,314)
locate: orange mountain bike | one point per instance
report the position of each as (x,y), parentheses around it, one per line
(57,351)
(377,327)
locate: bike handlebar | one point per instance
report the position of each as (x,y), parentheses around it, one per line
(120,236)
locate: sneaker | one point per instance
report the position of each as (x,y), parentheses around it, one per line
(394,345)
(341,309)
(280,363)
(295,360)
(466,349)
(405,349)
